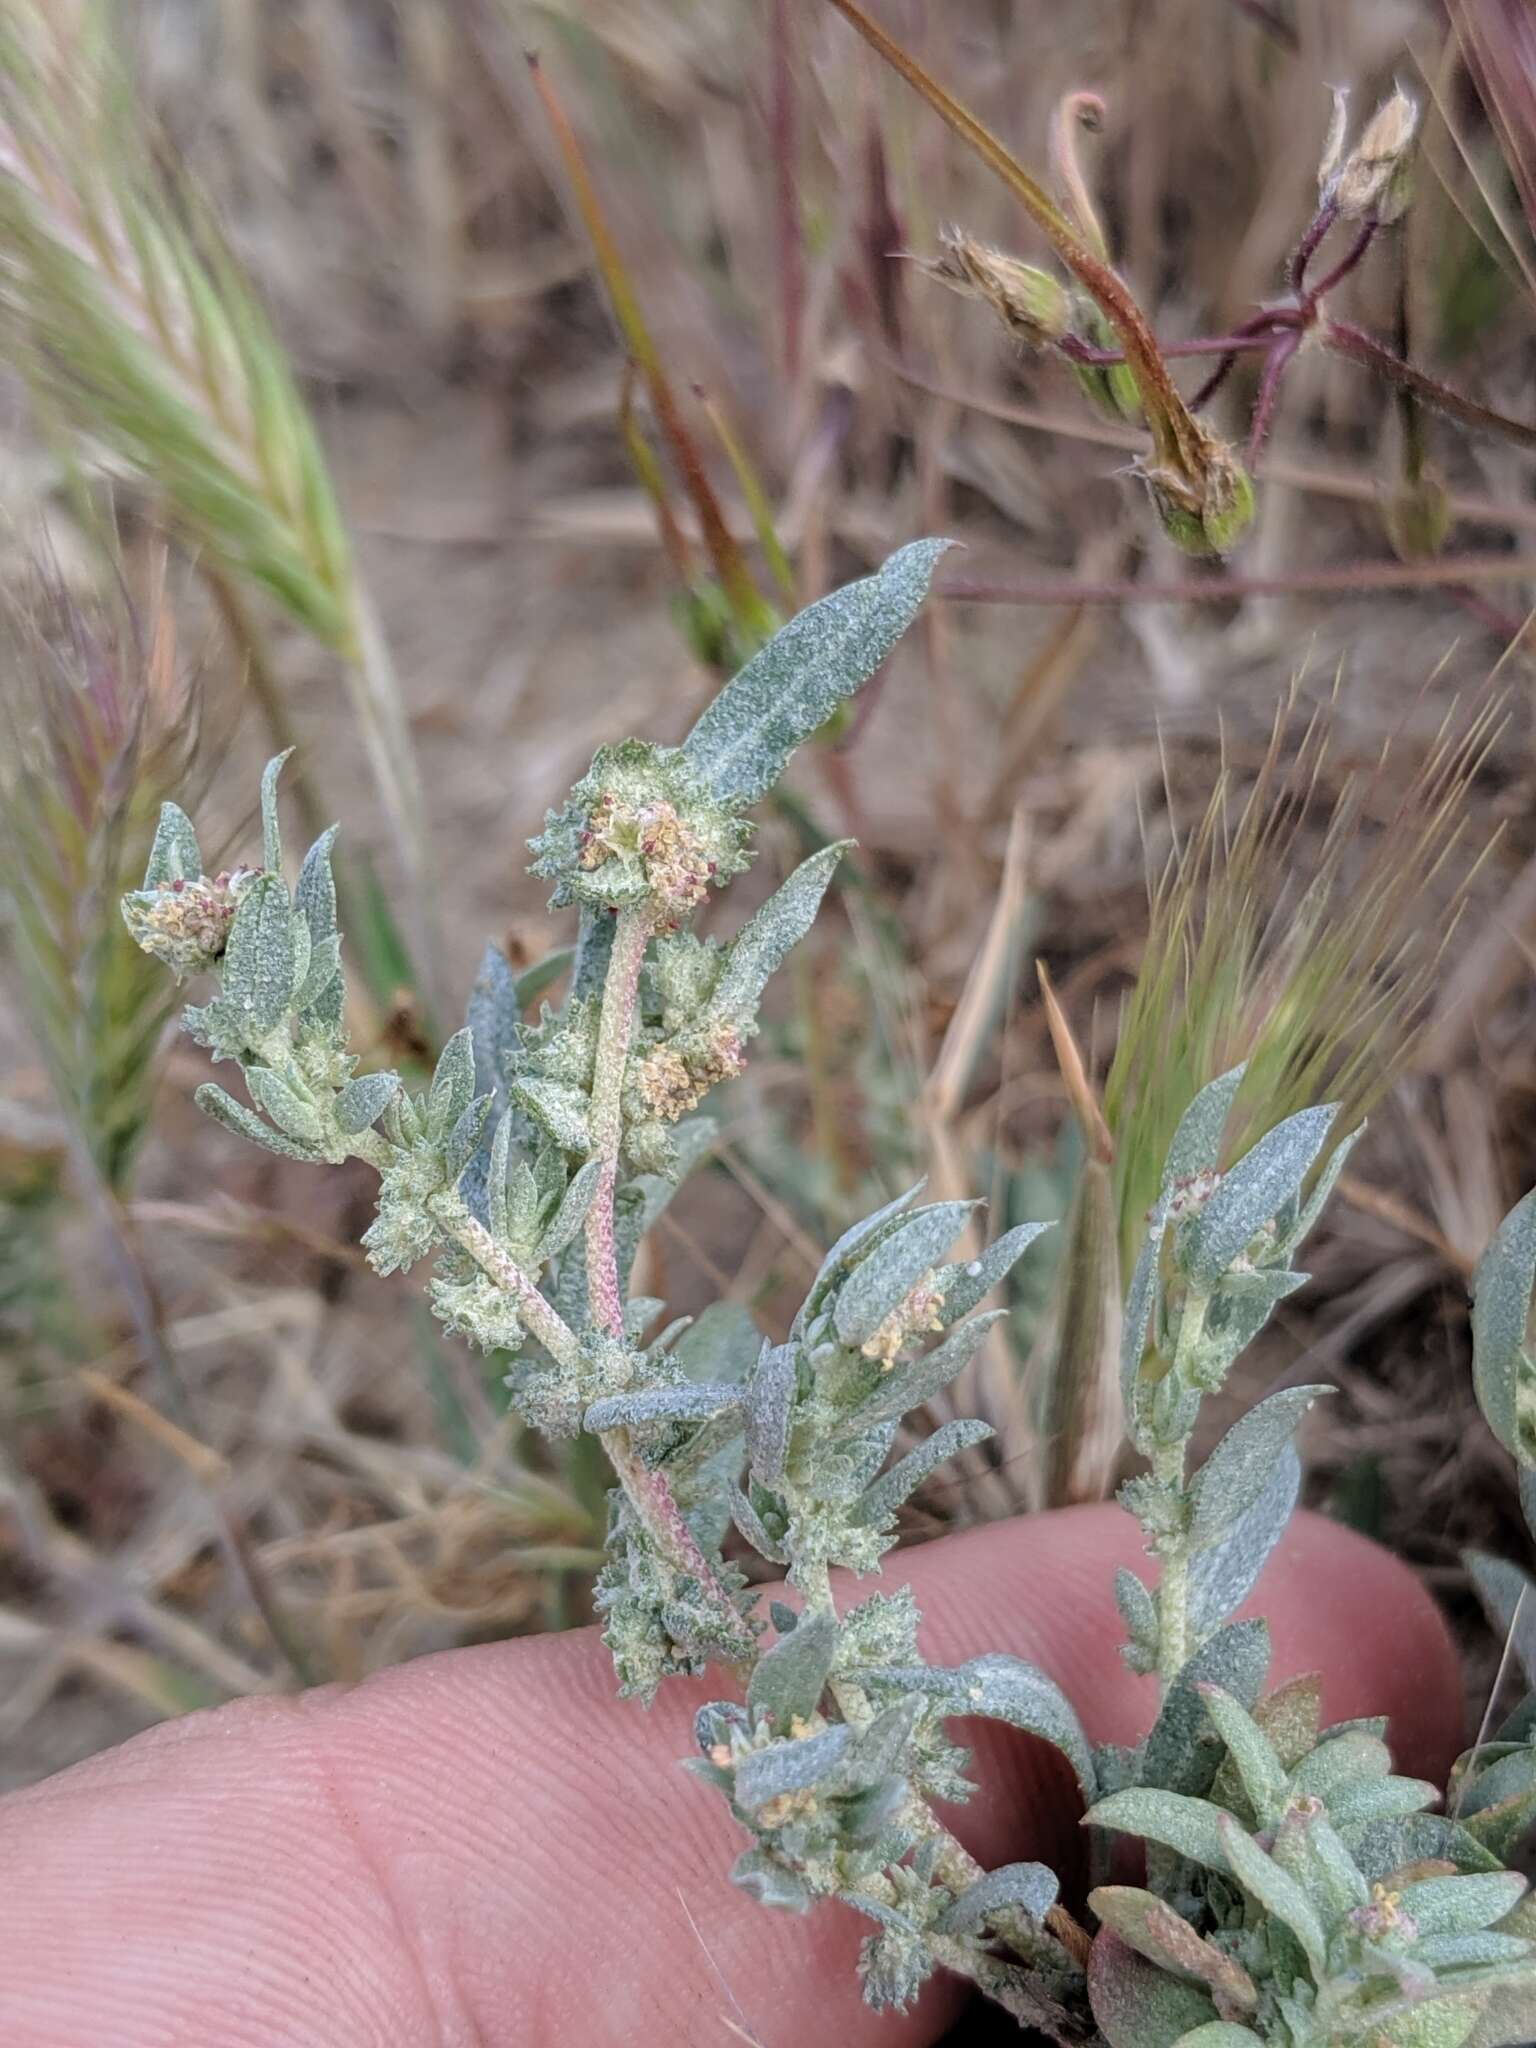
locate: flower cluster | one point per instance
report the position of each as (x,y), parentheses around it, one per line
(186,922)
(641,827)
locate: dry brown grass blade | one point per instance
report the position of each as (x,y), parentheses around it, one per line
(991,1384)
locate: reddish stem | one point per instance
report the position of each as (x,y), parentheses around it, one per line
(1361,347)
(1217,589)
(1280,355)
(616,1029)
(786,197)
(1307,247)
(1203,345)
(1343,267)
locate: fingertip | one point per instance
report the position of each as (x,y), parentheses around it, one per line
(1342,1606)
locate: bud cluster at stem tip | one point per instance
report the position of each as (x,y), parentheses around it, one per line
(641,826)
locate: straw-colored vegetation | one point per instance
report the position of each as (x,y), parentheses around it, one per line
(594,372)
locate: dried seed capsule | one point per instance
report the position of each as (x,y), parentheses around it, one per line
(1034,306)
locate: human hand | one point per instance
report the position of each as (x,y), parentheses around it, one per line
(488,1847)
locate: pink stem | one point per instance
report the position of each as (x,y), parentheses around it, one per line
(1361,347)
(1217,589)
(1269,392)
(1345,265)
(1307,247)
(615,1031)
(1250,336)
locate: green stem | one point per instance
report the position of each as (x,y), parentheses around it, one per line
(1173,1591)
(1174,1644)
(541,1319)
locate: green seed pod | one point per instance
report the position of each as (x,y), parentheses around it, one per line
(1035,307)
(1228,510)
(1417,517)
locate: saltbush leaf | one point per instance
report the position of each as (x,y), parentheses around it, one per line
(911,1385)
(1252,1192)
(766,1774)
(1136,2004)
(966,1286)
(1188,1826)
(1501,1307)
(453,1084)
(770,1882)
(1276,1891)
(1260,1771)
(314,895)
(886,1275)
(1001,1688)
(881,1501)
(174,855)
(642,1406)
(259,958)
(769,1407)
(1233,1478)
(762,944)
(792,685)
(1222,1576)
(788,1679)
(222,1107)
(1181,1753)
(361,1103)
(1014,1887)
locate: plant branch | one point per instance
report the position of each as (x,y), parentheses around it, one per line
(1356,576)
(542,1320)
(1310,242)
(1360,347)
(1275,366)
(1180,442)
(1241,338)
(614,1032)
(1345,265)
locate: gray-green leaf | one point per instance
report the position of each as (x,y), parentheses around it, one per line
(642,1406)
(223,1108)
(1014,1887)
(1253,1192)
(967,1286)
(315,894)
(886,1275)
(453,1084)
(294,1117)
(1190,1827)
(769,1406)
(1001,1688)
(880,1502)
(770,1882)
(364,1100)
(916,1383)
(792,686)
(259,959)
(572,1212)
(788,1680)
(271,836)
(1222,1577)
(1501,1307)
(783,1767)
(762,944)
(1233,1478)
(174,856)
(1276,1891)
(1180,1753)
